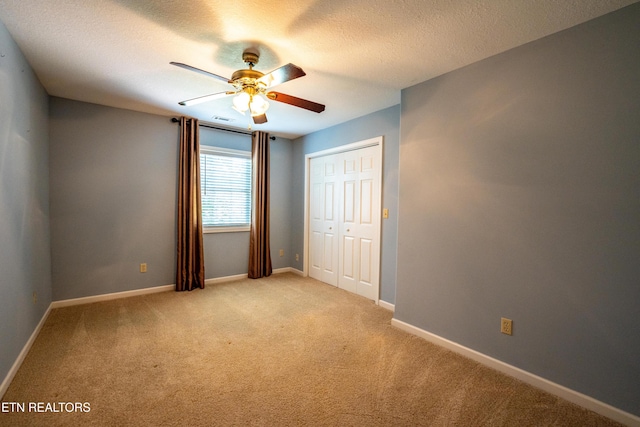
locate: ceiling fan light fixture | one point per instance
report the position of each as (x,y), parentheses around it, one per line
(255,103)
(241,102)
(258,105)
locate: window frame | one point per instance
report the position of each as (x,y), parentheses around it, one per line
(212,150)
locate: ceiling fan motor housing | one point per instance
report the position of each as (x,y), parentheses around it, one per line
(250,58)
(246,75)
(247,81)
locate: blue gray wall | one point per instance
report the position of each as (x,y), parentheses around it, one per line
(382,123)
(113,201)
(281,199)
(520,197)
(25,263)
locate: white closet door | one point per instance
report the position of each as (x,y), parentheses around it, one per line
(359,251)
(344,219)
(323,242)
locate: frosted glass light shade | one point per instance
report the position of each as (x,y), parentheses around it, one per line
(241,102)
(258,105)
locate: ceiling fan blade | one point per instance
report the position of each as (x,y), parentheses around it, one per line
(297,102)
(262,118)
(281,75)
(205,98)
(198,70)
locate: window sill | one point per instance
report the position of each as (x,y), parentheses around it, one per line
(208,230)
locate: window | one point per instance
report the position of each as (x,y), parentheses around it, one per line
(225,178)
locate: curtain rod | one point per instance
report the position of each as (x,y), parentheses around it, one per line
(210,126)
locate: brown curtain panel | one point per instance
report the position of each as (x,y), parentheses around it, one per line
(190,253)
(259,253)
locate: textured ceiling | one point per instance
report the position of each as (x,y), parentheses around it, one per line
(358,54)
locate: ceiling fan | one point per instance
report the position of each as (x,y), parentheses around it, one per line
(251,88)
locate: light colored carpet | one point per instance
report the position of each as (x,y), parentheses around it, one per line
(279,351)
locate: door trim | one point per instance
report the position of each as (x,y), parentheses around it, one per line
(378,142)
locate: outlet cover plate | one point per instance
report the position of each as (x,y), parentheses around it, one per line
(506,326)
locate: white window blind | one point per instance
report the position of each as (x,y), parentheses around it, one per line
(225,177)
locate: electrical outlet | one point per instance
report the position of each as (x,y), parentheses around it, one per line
(506,326)
(35,297)
(281,252)
(143,267)
(297,257)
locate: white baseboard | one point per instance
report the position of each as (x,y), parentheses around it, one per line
(25,350)
(164,288)
(298,272)
(387,305)
(527,377)
(288,270)
(244,276)
(215,280)
(112,296)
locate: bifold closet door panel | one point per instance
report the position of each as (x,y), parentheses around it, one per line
(323,238)
(359,217)
(344,216)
